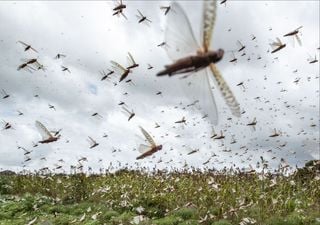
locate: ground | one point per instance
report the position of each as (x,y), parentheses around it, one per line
(161,198)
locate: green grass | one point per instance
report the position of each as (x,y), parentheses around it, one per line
(179,198)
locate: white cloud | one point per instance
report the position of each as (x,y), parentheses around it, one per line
(90,37)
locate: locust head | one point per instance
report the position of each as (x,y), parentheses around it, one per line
(216,56)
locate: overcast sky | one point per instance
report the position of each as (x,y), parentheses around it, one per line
(90,37)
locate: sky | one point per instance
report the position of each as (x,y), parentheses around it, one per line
(90,37)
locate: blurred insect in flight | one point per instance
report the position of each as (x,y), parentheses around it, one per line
(312,60)
(148,150)
(47,136)
(92,142)
(118,9)
(27,47)
(295,35)
(277,45)
(188,57)
(142,18)
(166,8)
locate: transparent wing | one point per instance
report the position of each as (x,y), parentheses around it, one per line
(279,41)
(130,59)
(126,110)
(233,55)
(33,49)
(292,40)
(226,92)
(21,42)
(91,141)
(239,44)
(43,130)
(116,66)
(140,13)
(209,18)
(179,36)
(298,39)
(148,137)
(143,148)
(197,89)
(274,45)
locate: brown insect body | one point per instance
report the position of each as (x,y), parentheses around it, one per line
(291,33)
(150,152)
(243,47)
(133,66)
(142,19)
(7,126)
(219,137)
(252,124)
(279,48)
(313,61)
(94,145)
(131,116)
(119,7)
(193,63)
(193,151)
(49,140)
(124,75)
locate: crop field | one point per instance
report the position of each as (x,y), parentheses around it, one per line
(162,198)
(162,112)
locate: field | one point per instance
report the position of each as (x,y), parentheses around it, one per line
(162,198)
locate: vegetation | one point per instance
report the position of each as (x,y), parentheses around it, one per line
(161,198)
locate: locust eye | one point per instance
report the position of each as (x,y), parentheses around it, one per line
(220,53)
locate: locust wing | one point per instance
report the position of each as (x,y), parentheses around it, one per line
(130,59)
(91,141)
(226,92)
(126,111)
(23,43)
(298,39)
(209,18)
(279,41)
(141,15)
(117,67)
(143,148)
(43,131)
(197,88)
(148,137)
(26,45)
(179,36)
